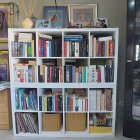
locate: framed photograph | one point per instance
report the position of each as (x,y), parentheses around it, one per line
(4,65)
(101,22)
(82,14)
(58,16)
(6,20)
(43,23)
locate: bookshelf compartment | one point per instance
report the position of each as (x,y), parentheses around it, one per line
(76,71)
(50,100)
(26,122)
(101,70)
(26,99)
(25,70)
(101,45)
(75,46)
(49,45)
(100,123)
(76,100)
(23,44)
(100,100)
(52,121)
(50,71)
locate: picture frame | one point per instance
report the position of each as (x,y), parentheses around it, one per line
(4,65)
(41,23)
(6,20)
(82,14)
(57,15)
(101,22)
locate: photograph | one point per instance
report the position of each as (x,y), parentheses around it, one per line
(6,20)
(58,16)
(83,14)
(101,22)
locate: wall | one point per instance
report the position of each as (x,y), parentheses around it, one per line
(115,11)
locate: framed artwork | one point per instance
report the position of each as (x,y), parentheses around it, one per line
(101,22)
(41,23)
(82,14)
(6,20)
(4,65)
(57,15)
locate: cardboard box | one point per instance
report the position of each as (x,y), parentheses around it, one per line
(76,121)
(51,122)
(100,129)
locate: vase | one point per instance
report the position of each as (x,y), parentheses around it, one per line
(27,23)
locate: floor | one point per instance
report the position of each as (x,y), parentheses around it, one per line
(7,135)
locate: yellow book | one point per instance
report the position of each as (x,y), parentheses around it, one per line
(107,48)
(33,48)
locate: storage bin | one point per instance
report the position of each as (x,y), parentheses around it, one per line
(51,122)
(76,121)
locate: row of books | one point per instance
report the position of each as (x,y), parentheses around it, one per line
(26,122)
(101,46)
(22,49)
(75,48)
(51,102)
(50,74)
(49,48)
(100,100)
(100,119)
(72,74)
(101,73)
(23,45)
(75,74)
(75,102)
(26,99)
(25,72)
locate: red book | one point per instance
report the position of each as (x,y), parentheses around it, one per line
(65,48)
(60,75)
(111,47)
(99,48)
(39,47)
(45,48)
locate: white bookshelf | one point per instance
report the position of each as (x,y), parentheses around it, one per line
(41,86)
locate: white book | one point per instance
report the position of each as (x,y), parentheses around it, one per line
(93,73)
(45,36)
(90,48)
(76,49)
(92,99)
(46,74)
(47,48)
(95,47)
(101,67)
(98,99)
(105,38)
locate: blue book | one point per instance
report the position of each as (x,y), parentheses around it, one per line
(73,74)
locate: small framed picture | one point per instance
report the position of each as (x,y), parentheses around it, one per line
(101,22)
(43,23)
(6,20)
(4,65)
(82,14)
(57,15)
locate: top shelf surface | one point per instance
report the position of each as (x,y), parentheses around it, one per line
(63,29)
